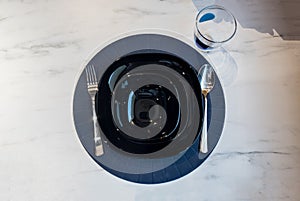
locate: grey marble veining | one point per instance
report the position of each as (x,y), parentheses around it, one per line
(43,45)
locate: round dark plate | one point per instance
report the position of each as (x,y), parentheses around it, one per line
(158,157)
(150,104)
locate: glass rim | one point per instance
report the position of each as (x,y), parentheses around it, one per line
(219,8)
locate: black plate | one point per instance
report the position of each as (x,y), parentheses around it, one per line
(150,103)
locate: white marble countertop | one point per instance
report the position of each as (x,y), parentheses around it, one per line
(43,45)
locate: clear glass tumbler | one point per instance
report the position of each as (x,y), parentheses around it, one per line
(214,26)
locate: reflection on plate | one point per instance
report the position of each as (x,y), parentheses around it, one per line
(148,85)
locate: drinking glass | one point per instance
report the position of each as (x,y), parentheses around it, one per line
(214,26)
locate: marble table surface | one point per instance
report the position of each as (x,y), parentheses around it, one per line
(43,45)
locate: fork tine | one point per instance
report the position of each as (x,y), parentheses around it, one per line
(86,74)
(94,74)
(89,75)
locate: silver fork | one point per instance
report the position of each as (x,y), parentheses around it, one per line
(92,86)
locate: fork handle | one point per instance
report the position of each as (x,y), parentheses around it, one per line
(97,134)
(203,139)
